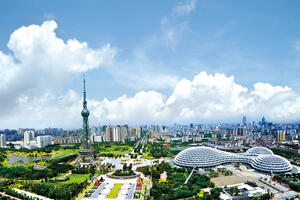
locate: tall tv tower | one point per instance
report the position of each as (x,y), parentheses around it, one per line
(86,153)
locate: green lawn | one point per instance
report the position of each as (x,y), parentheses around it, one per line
(114,191)
(76,178)
(115,149)
(148,157)
(58,154)
(65,151)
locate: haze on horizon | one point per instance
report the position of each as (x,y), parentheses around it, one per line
(148,62)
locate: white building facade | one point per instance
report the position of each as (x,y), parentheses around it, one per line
(2,140)
(43,141)
(28,136)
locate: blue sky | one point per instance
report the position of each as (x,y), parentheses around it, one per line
(160,43)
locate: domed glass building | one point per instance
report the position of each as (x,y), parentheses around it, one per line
(260,158)
(201,157)
(272,163)
(259,150)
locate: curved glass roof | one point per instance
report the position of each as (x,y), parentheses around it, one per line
(260,158)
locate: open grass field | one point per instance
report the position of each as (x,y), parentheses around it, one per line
(65,152)
(29,159)
(76,178)
(115,149)
(36,153)
(114,191)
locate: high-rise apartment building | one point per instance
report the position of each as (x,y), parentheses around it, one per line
(241,131)
(43,141)
(116,133)
(108,134)
(280,135)
(28,136)
(124,133)
(2,140)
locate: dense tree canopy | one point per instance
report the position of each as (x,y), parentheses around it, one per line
(174,187)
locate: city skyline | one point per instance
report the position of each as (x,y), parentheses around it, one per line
(181,63)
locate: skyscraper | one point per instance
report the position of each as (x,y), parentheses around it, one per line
(244,121)
(263,121)
(86,152)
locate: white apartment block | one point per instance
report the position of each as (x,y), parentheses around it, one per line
(43,141)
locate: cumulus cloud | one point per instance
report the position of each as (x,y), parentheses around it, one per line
(205,98)
(32,42)
(266,91)
(184,8)
(39,62)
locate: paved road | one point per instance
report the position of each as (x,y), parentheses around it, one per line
(10,197)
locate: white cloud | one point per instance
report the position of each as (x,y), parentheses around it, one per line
(28,43)
(40,63)
(205,98)
(266,91)
(184,8)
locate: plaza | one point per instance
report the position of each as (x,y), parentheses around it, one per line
(119,189)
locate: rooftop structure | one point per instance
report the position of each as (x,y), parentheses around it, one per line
(260,158)
(244,191)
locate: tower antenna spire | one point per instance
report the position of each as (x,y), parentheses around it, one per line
(84,93)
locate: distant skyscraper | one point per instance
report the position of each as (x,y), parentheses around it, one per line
(263,121)
(86,152)
(244,121)
(2,140)
(191,126)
